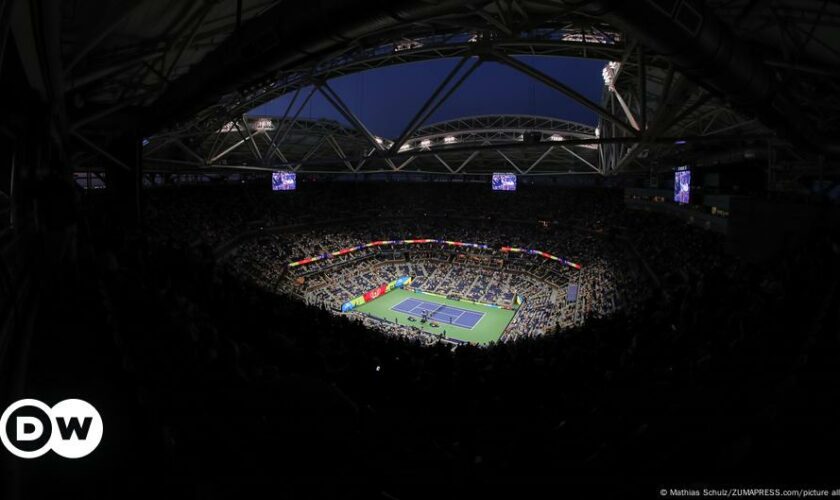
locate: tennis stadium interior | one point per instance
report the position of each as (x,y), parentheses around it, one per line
(419,248)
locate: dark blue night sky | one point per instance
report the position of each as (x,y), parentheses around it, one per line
(386,99)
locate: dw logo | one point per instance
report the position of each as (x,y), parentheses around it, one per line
(72,428)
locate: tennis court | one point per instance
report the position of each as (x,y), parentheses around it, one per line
(439,312)
(474,323)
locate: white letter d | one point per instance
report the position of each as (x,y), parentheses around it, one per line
(22,435)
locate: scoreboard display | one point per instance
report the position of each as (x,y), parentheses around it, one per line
(283,181)
(504,182)
(682,186)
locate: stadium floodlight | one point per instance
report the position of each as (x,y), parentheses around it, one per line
(405,147)
(263,124)
(450,140)
(556,138)
(379,140)
(597,131)
(609,73)
(407,44)
(425,143)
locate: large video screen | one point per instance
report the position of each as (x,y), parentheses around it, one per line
(504,182)
(283,181)
(682,186)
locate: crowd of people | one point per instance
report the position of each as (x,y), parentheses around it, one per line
(607,281)
(215,214)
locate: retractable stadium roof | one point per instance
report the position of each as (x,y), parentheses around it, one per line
(691,77)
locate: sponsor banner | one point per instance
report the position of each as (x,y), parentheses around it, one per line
(375,293)
(380,243)
(459,244)
(348,306)
(542,254)
(403,282)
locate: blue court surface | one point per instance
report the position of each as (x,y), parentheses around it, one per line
(440,313)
